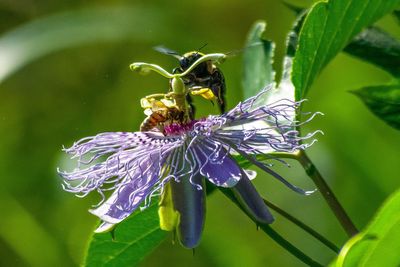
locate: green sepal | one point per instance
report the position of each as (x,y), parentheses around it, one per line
(166,213)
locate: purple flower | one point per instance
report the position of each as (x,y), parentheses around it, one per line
(138,165)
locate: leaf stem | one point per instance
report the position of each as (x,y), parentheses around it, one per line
(303,226)
(327,193)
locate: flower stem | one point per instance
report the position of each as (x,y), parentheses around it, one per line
(280,240)
(303,226)
(288,246)
(327,193)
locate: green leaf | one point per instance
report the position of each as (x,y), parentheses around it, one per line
(257,61)
(379,243)
(383,101)
(377,47)
(134,238)
(296,9)
(286,89)
(328,27)
(257,67)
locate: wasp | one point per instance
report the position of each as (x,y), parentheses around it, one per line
(206,79)
(159,113)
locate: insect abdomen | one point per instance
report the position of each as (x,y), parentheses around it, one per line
(152,121)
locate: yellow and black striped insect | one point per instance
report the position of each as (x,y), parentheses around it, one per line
(206,79)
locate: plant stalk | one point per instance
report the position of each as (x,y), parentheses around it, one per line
(280,240)
(327,193)
(303,226)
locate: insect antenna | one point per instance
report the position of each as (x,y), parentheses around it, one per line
(201,47)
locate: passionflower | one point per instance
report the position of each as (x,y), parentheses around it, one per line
(175,162)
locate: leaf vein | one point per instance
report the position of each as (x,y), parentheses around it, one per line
(129,244)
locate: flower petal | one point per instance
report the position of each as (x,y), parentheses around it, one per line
(131,192)
(216,164)
(251,201)
(111,142)
(189,201)
(256,127)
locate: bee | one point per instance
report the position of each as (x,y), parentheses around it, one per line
(153,120)
(159,113)
(206,79)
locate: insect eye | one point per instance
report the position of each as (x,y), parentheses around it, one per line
(184,62)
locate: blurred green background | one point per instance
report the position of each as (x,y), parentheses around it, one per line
(64,75)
